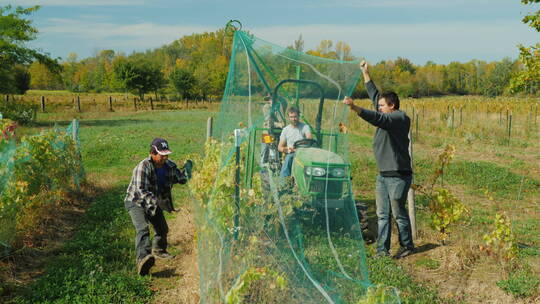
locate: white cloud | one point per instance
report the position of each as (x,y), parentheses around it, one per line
(110,35)
(76,2)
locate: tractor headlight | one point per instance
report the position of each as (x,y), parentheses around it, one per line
(315,171)
(337,172)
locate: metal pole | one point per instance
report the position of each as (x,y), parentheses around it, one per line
(417,118)
(208,128)
(75,130)
(452,118)
(410,195)
(237,135)
(297,85)
(509,128)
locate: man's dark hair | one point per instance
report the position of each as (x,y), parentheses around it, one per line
(293,110)
(391,98)
(153,150)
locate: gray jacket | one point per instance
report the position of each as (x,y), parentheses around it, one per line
(391,141)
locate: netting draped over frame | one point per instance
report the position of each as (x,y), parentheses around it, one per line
(270,239)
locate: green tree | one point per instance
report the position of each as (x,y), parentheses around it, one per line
(138,77)
(42,78)
(22,79)
(183,81)
(15,31)
(529,78)
(499,78)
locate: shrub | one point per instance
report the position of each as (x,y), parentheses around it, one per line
(20,111)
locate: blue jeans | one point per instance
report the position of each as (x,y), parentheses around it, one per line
(287,165)
(391,199)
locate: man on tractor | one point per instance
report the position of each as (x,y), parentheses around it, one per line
(292,133)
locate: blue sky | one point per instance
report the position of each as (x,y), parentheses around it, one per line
(420,30)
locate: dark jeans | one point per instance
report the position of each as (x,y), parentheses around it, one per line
(141,222)
(391,199)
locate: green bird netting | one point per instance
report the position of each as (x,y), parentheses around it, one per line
(276,228)
(34,171)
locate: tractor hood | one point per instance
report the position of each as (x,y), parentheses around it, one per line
(308,156)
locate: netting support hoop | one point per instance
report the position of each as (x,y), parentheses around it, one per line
(233,26)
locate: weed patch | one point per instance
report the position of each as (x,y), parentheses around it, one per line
(521,283)
(93,267)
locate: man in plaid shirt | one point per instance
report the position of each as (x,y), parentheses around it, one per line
(148,194)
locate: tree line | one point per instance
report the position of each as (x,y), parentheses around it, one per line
(196,66)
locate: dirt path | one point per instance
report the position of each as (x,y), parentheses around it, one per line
(177,280)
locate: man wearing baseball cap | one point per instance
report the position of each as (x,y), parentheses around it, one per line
(148,194)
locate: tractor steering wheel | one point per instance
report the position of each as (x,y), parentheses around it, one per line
(305,143)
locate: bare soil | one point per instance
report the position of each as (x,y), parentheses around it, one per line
(177,280)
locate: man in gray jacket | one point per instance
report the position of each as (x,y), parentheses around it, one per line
(390,145)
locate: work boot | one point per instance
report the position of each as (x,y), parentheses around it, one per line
(144,265)
(403,252)
(162,254)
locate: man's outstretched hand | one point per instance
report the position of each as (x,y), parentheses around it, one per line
(348,101)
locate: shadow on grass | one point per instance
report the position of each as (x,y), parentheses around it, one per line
(166,273)
(425,247)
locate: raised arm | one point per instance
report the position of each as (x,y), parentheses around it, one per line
(371,89)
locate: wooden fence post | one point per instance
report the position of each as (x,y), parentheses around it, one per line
(78,103)
(135,103)
(110,104)
(151,104)
(42,103)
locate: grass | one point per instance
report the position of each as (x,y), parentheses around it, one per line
(488,174)
(96,266)
(522,283)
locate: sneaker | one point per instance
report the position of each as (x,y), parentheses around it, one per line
(162,255)
(403,252)
(144,265)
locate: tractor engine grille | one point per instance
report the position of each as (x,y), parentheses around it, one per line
(335,188)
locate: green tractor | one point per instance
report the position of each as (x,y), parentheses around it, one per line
(322,176)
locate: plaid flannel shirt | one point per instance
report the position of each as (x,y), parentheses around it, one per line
(143,189)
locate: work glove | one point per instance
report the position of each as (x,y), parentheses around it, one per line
(188,168)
